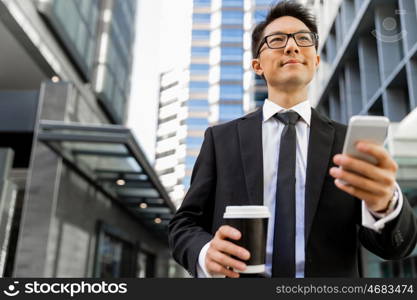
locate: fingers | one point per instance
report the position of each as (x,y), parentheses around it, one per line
(358,181)
(386,177)
(215,268)
(220,243)
(218,258)
(380,153)
(372,201)
(227,231)
(372,183)
(225,260)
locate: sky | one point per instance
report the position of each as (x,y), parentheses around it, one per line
(162,33)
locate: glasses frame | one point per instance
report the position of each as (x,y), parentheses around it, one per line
(289,35)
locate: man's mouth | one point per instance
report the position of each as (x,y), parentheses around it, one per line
(291,62)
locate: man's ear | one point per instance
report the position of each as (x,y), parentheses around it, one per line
(256,66)
(317,61)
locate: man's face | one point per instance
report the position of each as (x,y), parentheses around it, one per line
(274,64)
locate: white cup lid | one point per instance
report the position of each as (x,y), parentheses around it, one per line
(246,212)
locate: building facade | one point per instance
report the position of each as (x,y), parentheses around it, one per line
(79,197)
(369,67)
(171,135)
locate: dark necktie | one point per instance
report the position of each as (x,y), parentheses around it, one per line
(283,258)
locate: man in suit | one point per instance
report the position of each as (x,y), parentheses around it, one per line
(286,156)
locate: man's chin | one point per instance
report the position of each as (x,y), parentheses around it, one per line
(293,80)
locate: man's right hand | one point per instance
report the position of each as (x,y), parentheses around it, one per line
(218,257)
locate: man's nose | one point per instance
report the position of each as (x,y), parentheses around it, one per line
(291,46)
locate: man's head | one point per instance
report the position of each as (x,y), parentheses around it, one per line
(283,59)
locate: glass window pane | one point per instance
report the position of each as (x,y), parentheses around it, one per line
(230,112)
(231,92)
(264,2)
(199,86)
(260,16)
(231,54)
(201,18)
(231,72)
(200,34)
(232,17)
(190,161)
(202,3)
(232,35)
(232,3)
(200,51)
(198,105)
(198,69)
(194,141)
(197,123)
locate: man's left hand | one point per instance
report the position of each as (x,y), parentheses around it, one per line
(374,184)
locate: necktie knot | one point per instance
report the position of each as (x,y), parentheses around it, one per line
(289,117)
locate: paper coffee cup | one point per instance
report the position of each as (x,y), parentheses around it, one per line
(252,222)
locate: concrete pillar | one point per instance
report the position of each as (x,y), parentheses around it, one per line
(37,242)
(8,192)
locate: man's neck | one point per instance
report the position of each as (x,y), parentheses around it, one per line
(287,99)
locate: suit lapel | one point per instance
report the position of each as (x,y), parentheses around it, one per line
(250,139)
(319,150)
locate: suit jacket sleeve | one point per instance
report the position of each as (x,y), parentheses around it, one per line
(398,237)
(189,229)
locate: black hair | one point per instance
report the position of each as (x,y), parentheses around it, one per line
(281,9)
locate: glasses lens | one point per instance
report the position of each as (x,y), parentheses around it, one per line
(276,41)
(304,38)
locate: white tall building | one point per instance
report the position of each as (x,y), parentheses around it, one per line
(171,133)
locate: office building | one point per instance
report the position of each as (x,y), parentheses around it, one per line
(78,196)
(170,157)
(369,67)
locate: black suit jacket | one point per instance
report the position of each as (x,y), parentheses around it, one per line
(229,171)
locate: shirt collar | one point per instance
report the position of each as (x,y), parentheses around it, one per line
(303,109)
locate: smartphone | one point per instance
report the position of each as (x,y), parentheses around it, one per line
(365,128)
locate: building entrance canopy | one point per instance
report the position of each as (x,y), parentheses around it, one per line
(109,157)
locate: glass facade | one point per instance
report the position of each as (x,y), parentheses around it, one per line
(375,77)
(76,23)
(98,35)
(230,82)
(201,18)
(232,17)
(199,85)
(198,105)
(201,34)
(200,51)
(231,72)
(231,92)
(232,3)
(231,54)
(229,112)
(232,36)
(202,3)
(116,257)
(199,69)
(118,61)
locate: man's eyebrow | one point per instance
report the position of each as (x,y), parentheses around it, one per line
(280,32)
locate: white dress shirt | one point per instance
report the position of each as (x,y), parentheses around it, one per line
(271,135)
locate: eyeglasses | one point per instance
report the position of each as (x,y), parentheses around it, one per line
(280,40)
